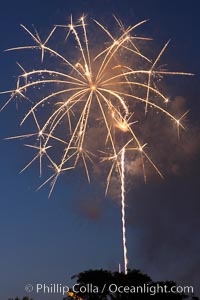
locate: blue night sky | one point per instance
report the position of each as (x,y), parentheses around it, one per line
(50,240)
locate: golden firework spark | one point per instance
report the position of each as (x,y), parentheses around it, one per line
(84,107)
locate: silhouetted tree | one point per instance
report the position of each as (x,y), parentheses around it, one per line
(104,285)
(91,279)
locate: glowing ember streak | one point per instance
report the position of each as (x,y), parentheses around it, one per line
(123,210)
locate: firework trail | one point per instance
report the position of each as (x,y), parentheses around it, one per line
(84,102)
(123,210)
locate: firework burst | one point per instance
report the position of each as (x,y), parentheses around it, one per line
(85,105)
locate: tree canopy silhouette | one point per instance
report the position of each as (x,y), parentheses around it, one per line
(107,285)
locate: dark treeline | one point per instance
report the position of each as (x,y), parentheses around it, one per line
(107,285)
